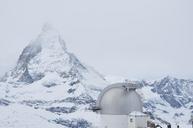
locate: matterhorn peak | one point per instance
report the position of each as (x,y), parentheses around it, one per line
(47,27)
(50,38)
(46,57)
(47,53)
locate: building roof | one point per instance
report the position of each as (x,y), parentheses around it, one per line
(137,114)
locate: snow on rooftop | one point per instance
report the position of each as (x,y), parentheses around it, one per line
(136,113)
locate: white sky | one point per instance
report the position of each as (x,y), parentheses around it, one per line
(143,39)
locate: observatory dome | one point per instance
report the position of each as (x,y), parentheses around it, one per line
(119,99)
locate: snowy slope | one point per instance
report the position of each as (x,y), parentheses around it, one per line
(21,116)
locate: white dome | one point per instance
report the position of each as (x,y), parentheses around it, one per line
(119,99)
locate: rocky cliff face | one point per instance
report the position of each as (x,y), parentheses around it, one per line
(177,92)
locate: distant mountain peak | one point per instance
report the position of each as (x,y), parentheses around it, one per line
(47,27)
(170,77)
(50,38)
(48,54)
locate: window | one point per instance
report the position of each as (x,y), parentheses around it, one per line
(131,120)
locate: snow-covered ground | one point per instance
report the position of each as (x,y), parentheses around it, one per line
(22,116)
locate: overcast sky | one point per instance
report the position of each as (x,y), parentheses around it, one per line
(138,39)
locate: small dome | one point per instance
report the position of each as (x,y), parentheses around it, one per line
(119,99)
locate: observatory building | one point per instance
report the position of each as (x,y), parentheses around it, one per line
(120,106)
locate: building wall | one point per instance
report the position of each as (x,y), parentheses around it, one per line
(114,121)
(137,122)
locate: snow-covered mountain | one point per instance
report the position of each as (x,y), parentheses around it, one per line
(49,87)
(49,84)
(170,100)
(46,55)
